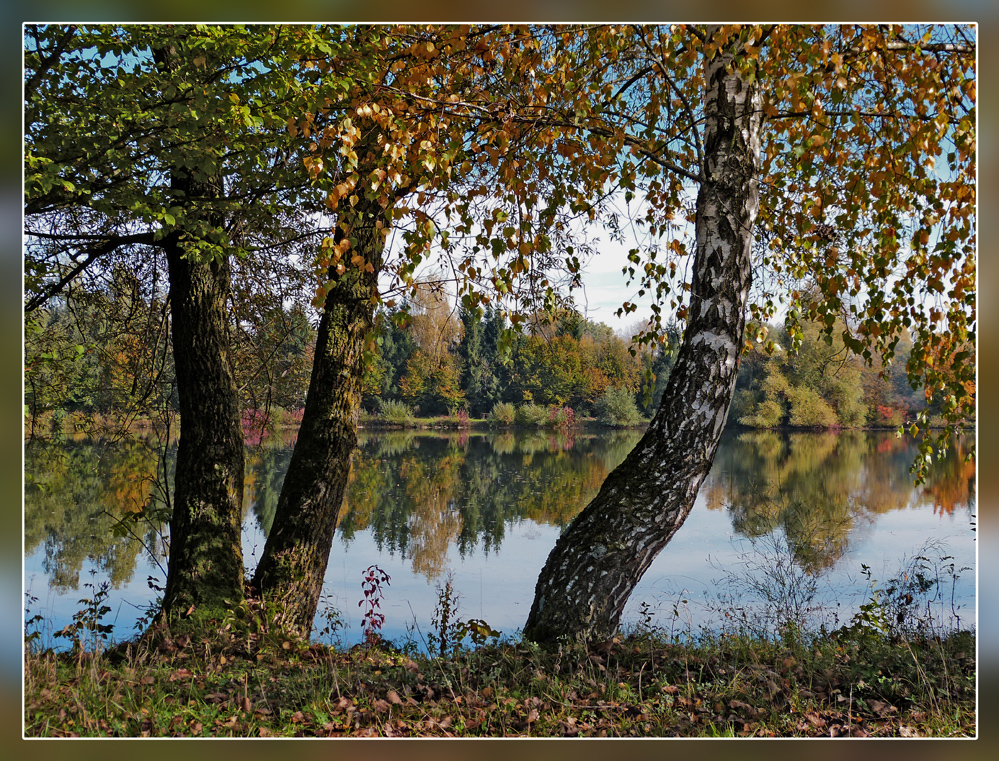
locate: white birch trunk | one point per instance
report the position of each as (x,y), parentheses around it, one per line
(598,560)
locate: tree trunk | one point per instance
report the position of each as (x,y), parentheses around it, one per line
(206,558)
(293,564)
(598,560)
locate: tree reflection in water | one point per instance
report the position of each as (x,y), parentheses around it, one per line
(420,494)
(819,487)
(75,493)
(465,489)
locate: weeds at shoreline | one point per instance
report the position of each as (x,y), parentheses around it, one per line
(637,686)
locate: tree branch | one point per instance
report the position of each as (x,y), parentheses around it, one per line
(92,255)
(46,64)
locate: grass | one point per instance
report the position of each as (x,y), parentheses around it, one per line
(900,668)
(226,683)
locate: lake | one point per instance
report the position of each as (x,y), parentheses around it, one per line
(800,522)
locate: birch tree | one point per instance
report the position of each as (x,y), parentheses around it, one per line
(829,135)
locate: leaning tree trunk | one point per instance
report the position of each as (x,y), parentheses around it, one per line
(598,560)
(293,564)
(206,558)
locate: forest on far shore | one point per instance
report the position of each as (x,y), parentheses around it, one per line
(107,352)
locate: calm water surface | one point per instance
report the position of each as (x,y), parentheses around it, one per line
(778,511)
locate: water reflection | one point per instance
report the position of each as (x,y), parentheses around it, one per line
(820,488)
(75,495)
(418,495)
(421,494)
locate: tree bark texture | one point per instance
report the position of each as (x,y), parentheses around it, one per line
(290,574)
(206,558)
(598,560)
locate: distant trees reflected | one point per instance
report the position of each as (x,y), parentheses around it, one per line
(75,493)
(818,487)
(465,490)
(421,494)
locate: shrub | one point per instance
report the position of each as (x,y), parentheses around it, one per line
(456,419)
(503,413)
(294,417)
(531,415)
(256,426)
(885,414)
(561,417)
(398,413)
(617,408)
(809,410)
(769,414)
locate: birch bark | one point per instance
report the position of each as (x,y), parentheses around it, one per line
(598,560)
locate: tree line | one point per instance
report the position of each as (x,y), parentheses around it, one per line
(437,359)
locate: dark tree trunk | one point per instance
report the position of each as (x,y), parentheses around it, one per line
(601,556)
(206,558)
(293,564)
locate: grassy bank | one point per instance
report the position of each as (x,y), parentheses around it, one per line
(228,684)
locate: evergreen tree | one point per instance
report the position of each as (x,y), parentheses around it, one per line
(395,346)
(473,365)
(656,366)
